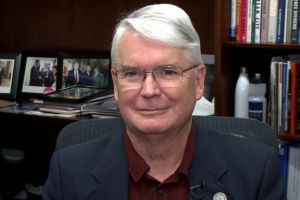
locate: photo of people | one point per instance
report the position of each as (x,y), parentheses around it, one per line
(6,72)
(40,75)
(86,72)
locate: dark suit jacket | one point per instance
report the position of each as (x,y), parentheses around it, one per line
(97,170)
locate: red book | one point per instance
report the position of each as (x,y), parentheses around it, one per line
(293,109)
(243,22)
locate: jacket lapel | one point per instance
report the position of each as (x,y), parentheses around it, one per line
(111,182)
(207,169)
(206,173)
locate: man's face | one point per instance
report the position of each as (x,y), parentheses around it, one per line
(151,108)
(76,66)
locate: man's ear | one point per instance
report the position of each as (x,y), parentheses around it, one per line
(200,78)
(115,81)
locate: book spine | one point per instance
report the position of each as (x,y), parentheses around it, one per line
(293,109)
(287,21)
(249,21)
(243,22)
(271,111)
(257,21)
(238,20)
(283,151)
(264,20)
(280,22)
(279,96)
(284,97)
(253,21)
(293,185)
(272,26)
(233,20)
(298,35)
(294,24)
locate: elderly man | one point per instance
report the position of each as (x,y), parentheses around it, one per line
(158,76)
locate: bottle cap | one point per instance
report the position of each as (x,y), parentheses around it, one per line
(257,79)
(243,70)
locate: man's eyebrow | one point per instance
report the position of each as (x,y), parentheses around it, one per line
(129,67)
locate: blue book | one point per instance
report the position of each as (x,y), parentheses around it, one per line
(283,127)
(280,21)
(283,147)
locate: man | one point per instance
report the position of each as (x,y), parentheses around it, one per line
(35,74)
(158,76)
(74,75)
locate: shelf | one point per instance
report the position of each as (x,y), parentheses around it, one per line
(288,137)
(262,45)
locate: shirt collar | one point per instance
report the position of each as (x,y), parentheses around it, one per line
(138,167)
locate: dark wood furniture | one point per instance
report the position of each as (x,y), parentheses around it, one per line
(36,137)
(230,56)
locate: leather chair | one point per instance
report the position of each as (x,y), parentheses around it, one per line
(11,161)
(82,131)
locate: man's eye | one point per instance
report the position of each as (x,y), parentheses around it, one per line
(131,73)
(169,72)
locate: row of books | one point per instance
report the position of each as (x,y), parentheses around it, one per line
(289,156)
(265,21)
(284,94)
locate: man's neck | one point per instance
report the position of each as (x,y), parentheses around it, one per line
(163,153)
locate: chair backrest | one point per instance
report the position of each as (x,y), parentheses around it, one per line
(85,130)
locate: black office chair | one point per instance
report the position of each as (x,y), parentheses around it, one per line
(11,163)
(81,131)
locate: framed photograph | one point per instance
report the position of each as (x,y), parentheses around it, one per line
(39,73)
(86,69)
(9,75)
(74,95)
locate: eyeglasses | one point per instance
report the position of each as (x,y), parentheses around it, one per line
(166,75)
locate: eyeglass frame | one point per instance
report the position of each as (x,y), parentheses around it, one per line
(115,72)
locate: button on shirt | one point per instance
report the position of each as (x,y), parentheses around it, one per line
(143,186)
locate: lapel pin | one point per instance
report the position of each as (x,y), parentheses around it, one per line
(219,196)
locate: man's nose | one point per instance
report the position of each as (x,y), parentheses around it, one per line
(150,86)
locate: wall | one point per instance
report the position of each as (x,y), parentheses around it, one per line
(82,24)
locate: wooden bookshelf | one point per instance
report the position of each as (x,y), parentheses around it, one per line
(231,55)
(287,137)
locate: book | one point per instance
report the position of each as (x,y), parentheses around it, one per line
(265,9)
(280,21)
(272,25)
(283,151)
(249,21)
(49,108)
(294,21)
(257,21)
(287,21)
(293,178)
(238,27)
(293,102)
(233,20)
(244,18)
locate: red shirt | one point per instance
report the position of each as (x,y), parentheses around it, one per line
(143,186)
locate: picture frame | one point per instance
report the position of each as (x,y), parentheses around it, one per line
(9,75)
(75,94)
(39,73)
(93,69)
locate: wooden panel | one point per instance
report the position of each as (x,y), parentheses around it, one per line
(82,25)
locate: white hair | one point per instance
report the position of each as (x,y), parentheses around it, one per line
(163,23)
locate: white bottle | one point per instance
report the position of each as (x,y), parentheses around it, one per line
(257,99)
(241,95)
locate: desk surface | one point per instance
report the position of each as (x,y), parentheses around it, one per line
(30,111)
